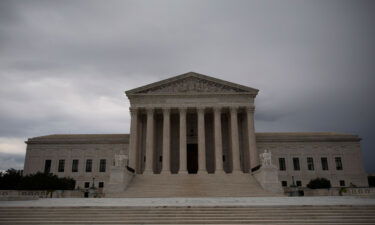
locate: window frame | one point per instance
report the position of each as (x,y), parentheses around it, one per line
(282,164)
(75,166)
(296,164)
(338,163)
(88,168)
(102,166)
(310,164)
(61,166)
(47,169)
(324,162)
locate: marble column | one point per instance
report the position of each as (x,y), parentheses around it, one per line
(201,142)
(183,153)
(218,141)
(235,139)
(133,138)
(253,152)
(149,142)
(166,141)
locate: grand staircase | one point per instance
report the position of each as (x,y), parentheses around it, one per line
(332,215)
(194,185)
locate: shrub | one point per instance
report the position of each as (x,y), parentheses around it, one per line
(13,180)
(319,183)
(10,179)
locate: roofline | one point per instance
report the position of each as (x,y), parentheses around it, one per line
(190,74)
(260,137)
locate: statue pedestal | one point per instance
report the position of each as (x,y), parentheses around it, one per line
(267,176)
(119,180)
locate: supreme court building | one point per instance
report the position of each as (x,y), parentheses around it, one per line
(193,135)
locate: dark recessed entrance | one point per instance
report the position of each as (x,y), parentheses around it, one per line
(192,158)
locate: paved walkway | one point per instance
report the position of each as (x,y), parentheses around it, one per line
(227,201)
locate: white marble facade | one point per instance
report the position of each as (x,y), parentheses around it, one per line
(193,123)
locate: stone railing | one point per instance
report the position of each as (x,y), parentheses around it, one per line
(36,194)
(335,191)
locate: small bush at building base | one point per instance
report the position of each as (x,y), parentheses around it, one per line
(319,183)
(13,180)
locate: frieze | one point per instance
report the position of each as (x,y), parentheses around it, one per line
(192,85)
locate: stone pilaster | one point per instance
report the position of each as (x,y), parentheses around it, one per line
(149,142)
(201,142)
(183,153)
(133,138)
(166,141)
(218,141)
(235,140)
(253,152)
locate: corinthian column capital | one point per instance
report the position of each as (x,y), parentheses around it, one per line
(250,109)
(150,111)
(233,109)
(217,109)
(133,110)
(166,110)
(200,109)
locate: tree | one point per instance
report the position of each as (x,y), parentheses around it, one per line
(319,183)
(371,181)
(10,179)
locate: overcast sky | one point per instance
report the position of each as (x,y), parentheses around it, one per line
(64,65)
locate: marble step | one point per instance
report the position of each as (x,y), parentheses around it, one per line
(197,185)
(190,215)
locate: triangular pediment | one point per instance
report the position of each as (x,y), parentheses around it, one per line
(192,83)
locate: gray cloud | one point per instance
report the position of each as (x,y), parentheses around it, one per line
(8,161)
(64,65)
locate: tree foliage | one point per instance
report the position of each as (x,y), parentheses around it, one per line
(371,181)
(13,180)
(319,183)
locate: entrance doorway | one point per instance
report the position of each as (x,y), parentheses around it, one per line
(192,158)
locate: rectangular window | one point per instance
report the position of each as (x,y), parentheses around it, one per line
(101,184)
(282,164)
(61,165)
(338,163)
(75,165)
(342,183)
(47,166)
(324,163)
(102,165)
(296,163)
(298,183)
(88,165)
(284,183)
(87,184)
(310,163)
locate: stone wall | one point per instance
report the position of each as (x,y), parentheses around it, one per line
(69,148)
(347,148)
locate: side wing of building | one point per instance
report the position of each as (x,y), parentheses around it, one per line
(299,156)
(80,156)
(305,156)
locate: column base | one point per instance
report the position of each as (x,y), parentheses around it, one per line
(165,172)
(220,172)
(237,172)
(182,172)
(148,172)
(202,172)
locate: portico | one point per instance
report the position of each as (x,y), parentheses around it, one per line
(192,123)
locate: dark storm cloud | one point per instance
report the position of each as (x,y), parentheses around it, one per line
(65,64)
